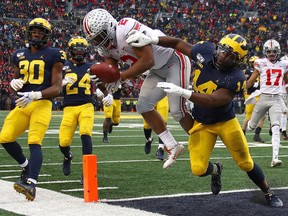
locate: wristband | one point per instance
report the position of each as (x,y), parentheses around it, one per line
(37,95)
(154,39)
(186,93)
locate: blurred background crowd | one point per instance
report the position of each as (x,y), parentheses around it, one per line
(191,20)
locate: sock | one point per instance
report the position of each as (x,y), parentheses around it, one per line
(35,161)
(275,141)
(210,169)
(15,151)
(86,144)
(105,134)
(257,176)
(147,133)
(65,151)
(258,130)
(168,139)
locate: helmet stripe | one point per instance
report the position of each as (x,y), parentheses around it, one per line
(86,27)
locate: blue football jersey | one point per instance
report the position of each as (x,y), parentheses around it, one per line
(36,68)
(208,79)
(79,92)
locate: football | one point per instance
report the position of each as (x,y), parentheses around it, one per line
(107,73)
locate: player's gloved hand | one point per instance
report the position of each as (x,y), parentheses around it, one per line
(68,80)
(108,100)
(95,79)
(139,39)
(256,84)
(113,87)
(171,88)
(27,98)
(99,93)
(16,84)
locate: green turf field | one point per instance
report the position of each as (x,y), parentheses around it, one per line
(125,171)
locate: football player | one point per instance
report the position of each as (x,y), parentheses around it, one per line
(249,107)
(78,107)
(37,79)
(284,96)
(165,64)
(162,107)
(217,79)
(271,72)
(112,113)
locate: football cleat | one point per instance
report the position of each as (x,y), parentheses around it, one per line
(284,135)
(258,139)
(27,188)
(276,162)
(273,200)
(173,154)
(216,184)
(24,173)
(147,147)
(160,154)
(66,168)
(106,140)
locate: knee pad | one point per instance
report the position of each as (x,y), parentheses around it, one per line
(246,166)
(143,107)
(198,170)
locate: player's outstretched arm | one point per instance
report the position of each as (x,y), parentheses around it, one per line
(139,39)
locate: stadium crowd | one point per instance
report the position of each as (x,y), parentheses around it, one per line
(192,21)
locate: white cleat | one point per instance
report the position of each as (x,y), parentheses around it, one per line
(173,154)
(276,162)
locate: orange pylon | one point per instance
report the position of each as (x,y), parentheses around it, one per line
(90,179)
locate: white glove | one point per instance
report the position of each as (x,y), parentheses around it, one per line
(99,93)
(68,80)
(256,84)
(108,100)
(138,39)
(95,79)
(171,88)
(16,84)
(113,87)
(27,98)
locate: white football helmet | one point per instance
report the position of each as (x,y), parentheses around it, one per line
(100,28)
(272,50)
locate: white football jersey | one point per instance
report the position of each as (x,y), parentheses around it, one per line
(124,52)
(271,75)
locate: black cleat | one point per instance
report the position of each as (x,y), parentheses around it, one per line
(66,168)
(273,200)
(147,147)
(258,139)
(160,153)
(24,174)
(216,179)
(26,188)
(106,140)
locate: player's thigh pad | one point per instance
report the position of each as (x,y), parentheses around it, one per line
(16,122)
(200,145)
(86,119)
(41,113)
(234,139)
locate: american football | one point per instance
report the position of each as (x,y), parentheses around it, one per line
(107,73)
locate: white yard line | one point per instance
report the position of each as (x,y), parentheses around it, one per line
(51,203)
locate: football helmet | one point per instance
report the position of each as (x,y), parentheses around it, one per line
(230,52)
(272,50)
(100,28)
(78,48)
(46,28)
(252,60)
